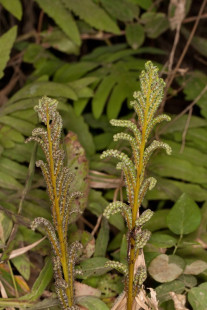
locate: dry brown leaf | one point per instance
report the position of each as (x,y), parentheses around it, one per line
(25,249)
(82,289)
(179,301)
(4,295)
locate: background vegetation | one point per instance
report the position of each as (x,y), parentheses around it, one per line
(88,54)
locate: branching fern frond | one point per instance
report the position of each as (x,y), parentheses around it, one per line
(146,104)
(58,180)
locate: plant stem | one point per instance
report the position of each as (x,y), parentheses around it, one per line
(57,216)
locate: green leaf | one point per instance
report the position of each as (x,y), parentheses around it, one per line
(162,240)
(102,239)
(12,168)
(155,24)
(164,268)
(123,251)
(199,44)
(22,264)
(157,221)
(122,10)
(197,297)
(9,182)
(119,94)
(163,290)
(63,18)
(91,303)
(143,4)
(135,35)
(92,14)
(41,282)
(103,140)
(22,126)
(185,216)
(78,125)
(79,166)
(58,40)
(13,6)
(38,89)
(93,267)
(188,280)
(5,227)
(102,93)
(6,43)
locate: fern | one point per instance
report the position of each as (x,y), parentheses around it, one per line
(145,105)
(58,179)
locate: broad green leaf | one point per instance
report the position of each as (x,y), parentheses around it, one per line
(94,266)
(6,43)
(178,168)
(12,168)
(135,35)
(21,152)
(9,182)
(79,166)
(157,221)
(102,93)
(197,297)
(103,140)
(38,89)
(5,227)
(162,240)
(164,268)
(77,124)
(123,10)
(155,23)
(74,71)
(59,40)
(188,280)
(123,250)
(199,44)
(91,303)
(13,6)
(117,97)
(163,290)
(22,264)
(185,216)
(92,14)
(143,4)
(63,18)
(41,282)
(22,126)
(79,105)
(102,239)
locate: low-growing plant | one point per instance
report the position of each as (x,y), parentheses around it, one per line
(145,105)
(58,180)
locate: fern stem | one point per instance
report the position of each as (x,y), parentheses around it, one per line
(57,216)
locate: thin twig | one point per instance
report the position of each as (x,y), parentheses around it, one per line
(193,18)
(97,225)
(185,110)
(170,78)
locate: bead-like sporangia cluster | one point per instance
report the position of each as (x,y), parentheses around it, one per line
(58,179)
(145,105)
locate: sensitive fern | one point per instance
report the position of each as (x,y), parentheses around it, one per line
(58,180)
(145,105)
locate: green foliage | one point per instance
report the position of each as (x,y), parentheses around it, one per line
(6,42)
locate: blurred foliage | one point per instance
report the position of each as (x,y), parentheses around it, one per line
(88,54)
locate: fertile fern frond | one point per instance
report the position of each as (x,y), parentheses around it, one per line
(146,104)
(50,232)
(58,180)
(118,266)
